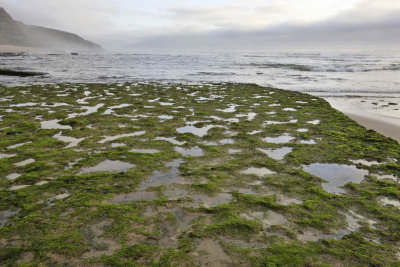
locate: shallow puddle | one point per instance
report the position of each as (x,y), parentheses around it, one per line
(390,201)
(190,128)
(193,151)
(250,116)
(285,138)
(175,193)
(314,122)
(53,124)
(3,156)
(71,140)
(210,201)
(6,215)
(315,236)
(13,176)
(267,219)
(171,140)
(165,117)
(115,145)
(231,108)
(110,110)
(227,141)
(109,166)
(24,162)
(277,154)
(308,142)
(289,109)
(115,137)
(89,110)
(260,172)
(336,175)
(135,196)
(144,150)
(170,176)
(234,151)
(254,132)
(302,130)
(17,187)
(211,253)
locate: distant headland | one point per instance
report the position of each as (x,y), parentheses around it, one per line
(16,36)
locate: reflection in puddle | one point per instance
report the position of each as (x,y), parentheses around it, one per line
(115,145)
(13,176)
(234,151)
(17,187)
(170,176)
(3,156)
(255,132)
(115,137)
(289,109)
(307,142)
(267,219)
(165,117)
(109,166)
(175,193)
(53,124)
(144,150)
(302,130)
(227,141)
(277,154)
(24,162)
(313,236)
(18,145)
(5,215)
(388,201)
(314,122)
(135,196)
(171,140)
(194,151)
(260,172)
(209,202)
(89,110)
(231,108)
(190,128)
(211,253)
(71,140)
(336,175)
(111,109)
(285,138)
(250,116)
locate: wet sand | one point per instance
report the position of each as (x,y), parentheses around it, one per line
(384,127)
(380,112)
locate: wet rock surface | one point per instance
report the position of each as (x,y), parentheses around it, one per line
(204,175)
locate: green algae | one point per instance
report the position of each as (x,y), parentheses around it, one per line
(61,221)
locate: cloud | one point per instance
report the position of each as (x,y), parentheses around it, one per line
(224,24)
(368,25)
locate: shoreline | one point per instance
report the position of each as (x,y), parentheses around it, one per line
(386,128)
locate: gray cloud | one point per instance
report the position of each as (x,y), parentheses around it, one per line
(370,24)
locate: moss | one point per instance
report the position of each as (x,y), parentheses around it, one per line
(51,218)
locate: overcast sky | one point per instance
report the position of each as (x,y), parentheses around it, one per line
(219,24)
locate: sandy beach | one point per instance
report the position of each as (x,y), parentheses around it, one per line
(384,127)
(375,111)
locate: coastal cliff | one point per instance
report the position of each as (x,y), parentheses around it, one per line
(19,34)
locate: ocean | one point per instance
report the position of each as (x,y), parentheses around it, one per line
(354,81)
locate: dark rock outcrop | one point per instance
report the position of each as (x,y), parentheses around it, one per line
(17,33)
